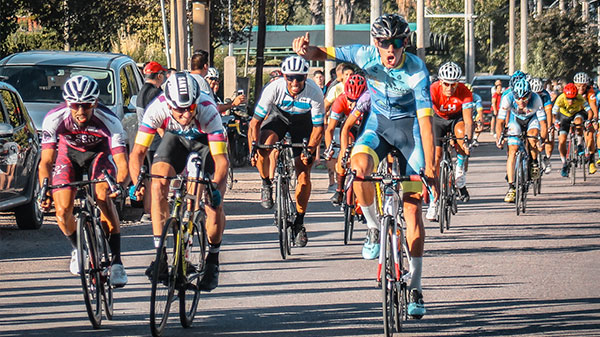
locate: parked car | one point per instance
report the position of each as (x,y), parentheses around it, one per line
(39,76)
(482,86)
(19,158)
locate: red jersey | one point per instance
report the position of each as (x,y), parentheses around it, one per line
(340,109)
(449,107)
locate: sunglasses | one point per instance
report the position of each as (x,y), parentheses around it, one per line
(447,84)
(85,106)
(397,43)
(298,78)
(351,100)
(212,78)
(184,110)
(524,98)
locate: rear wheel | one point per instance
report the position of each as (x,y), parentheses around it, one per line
(105,262)
(524,185)
(89,270)
(443,198)
(518,182)
(164,277)
(572,159)
(190,294)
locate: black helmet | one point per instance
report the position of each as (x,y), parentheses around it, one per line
(389,26)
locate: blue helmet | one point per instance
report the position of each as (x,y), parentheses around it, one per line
(515,77)
(521,88)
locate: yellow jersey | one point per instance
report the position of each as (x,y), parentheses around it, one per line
(561,105)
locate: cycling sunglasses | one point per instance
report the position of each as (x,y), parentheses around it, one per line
(298,78)
(524,98)
(190,108)
(397,43)
(85,106)
(213,78)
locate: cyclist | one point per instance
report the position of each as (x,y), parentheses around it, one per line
(82,136)
(453,105)
(569,107)
(290,104)
(524,109)
(581,81)
(192,124)
(537,86)
(341,108)
(400,118)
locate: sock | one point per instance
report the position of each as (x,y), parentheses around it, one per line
(370,214)
(299,221)
(598,152)
(460,161)
(73,239)
(416,268)
(341,179)
(156,241)
(114,242)
(266,181)
(563,159)
(579,140)
(511,185)
(213,253)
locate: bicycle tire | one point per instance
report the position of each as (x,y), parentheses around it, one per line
(583,167)
(525,184)
(572,159)
(89,270)
(451,206)
(105,262)
(404,268)
(189,295)
(349,212)
(163,284)
(291,207)
(388,280)
(518,176)
(230,179)
(443,198)
(281,217)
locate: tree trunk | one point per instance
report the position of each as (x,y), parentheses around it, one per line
(316,8)
(343,11)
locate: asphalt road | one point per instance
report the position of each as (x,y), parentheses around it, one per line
(493,273)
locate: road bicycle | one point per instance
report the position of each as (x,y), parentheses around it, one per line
(522,170)
(394,257)
(574,158)
(447,200)
(285,207)
(92,246)
(180,263)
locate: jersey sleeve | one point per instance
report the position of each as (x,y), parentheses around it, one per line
(338,107)
(152,120)
(118,136)
(264,103)
(467,99)
(317,109)
(421,92)
(49,128)
(540,113)
(212,124)
(349,53)
(504,107)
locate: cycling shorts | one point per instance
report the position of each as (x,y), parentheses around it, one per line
(174,150)
(442,126)
(71,164)
(517,125)
(565,121)
(380,135)
(281,122)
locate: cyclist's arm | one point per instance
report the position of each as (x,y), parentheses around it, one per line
(589,110)
(315,137)
(221,167)
(46,163)
(136,160)
(468,119)
(345,132)
(426,127)
(122,169)
(301,46)
(330,131)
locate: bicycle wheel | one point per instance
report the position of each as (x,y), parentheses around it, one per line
(518,181)
(388,280)
(404,268)
(349,212)
(572,159)
(443,198)
(451,206)
(583,167)
(230,180)
(164,277)
(281,217)
(105,262)
(525,185)
(89,269)
(189,295)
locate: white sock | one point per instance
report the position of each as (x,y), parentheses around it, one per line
(416,267)
(156,241)
(579,140)
(563,159)
(370,213)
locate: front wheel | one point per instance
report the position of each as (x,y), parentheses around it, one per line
(518,182)
(281,218)
(164,277)
(195,254)
(89,269)
(388,281)
(105,262)
(443,197)
(349,215)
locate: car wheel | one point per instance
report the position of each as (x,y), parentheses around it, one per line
(30,216)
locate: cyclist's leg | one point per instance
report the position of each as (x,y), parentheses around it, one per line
(440,129)
(461,158)
(563,132)
(272,130)
(533,130)
(514,129)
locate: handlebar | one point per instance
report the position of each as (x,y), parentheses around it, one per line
(112,185)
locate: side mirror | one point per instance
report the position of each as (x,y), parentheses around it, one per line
(6,130)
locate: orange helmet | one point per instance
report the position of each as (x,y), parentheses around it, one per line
(570,90)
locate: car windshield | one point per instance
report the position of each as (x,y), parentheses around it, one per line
(489,81)
(43,83)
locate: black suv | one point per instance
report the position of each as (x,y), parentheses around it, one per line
(19,158)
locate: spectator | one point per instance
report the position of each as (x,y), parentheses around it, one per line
(319,79)
(212,77)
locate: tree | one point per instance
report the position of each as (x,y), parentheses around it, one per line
(8,24)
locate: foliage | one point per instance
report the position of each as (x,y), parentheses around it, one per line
(561,45)
(21,41)
(8,25)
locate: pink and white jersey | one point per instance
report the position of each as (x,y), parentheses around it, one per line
(104,126)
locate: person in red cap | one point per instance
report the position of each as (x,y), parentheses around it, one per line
(154,76)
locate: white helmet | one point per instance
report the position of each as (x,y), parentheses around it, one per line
(294,65)
(536,84)
(81,89)
(580,78)
(212,72)
(181,90)
(449,72)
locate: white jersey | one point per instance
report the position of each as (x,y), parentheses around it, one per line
(276,96)
(508,105)
(158,115)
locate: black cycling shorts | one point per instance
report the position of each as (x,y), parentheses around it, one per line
(174,150)
(281,122)
(442,126)
(565,121)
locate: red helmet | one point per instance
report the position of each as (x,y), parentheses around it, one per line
(355,86)
(570,90)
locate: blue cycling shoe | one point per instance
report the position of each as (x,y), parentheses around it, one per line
(371,247)
(565,171)
(416,306)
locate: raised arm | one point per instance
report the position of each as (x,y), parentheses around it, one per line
(301,46)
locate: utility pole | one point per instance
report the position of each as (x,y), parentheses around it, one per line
(491,38)
(179,35)
(248,41)
(585,9)
(375,12)
(511,37)
(329,31)
(469,41)
(524,16)
(230,28)
(260,47)
(421,29)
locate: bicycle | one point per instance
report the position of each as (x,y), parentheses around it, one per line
(394,259)
(285,206)
(448,190)
(574,158)
(92,246)
(522,177)
(180,257)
